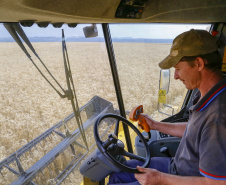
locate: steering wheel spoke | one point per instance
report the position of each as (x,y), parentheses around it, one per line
(116,128)
(133,156)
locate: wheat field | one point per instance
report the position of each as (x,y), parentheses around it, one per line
(29,106)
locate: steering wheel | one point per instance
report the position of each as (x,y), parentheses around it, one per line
(113,147)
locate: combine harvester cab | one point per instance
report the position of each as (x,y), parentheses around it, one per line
(55,156)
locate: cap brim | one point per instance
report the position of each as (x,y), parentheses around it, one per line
(169,62)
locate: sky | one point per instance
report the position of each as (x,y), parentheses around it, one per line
(151,31)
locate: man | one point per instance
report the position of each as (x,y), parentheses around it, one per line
(201,155)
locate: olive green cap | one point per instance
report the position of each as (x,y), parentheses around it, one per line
(190,43)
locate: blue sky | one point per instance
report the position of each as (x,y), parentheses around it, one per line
(152,31)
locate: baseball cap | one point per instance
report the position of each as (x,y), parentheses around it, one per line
(189,43)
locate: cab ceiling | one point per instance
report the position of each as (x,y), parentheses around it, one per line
(103,11)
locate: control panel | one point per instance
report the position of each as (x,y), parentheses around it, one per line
(131,9)
(160,144)
(162,135)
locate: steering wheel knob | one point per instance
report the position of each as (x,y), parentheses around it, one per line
(120,144)
(112,139)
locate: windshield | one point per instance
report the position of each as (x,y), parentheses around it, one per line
(30,106)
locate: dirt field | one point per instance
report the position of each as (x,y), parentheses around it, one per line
(29,106)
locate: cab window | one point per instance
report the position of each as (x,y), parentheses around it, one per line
(138,50)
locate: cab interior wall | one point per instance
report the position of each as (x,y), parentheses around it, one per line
(221,36)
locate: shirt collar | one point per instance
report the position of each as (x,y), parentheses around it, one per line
(211,95)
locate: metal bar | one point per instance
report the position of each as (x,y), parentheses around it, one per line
(31,144)
(158,108)
(80,159)
(19,166)
(46,134)
(60,134)
(33,183)
(72,168)
(71,89)
(12,170)
(2,175)
(15,31)
(30,174)
(51,155)
(68,167)
(111,56)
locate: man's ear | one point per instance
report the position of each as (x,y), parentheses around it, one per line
(200,63)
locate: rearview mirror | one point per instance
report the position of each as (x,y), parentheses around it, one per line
(90,31)
(164,80)
(164,83)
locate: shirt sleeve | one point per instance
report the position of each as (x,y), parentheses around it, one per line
(212,151)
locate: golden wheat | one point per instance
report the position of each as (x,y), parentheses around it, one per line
(29,106)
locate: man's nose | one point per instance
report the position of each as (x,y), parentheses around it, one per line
(176,76)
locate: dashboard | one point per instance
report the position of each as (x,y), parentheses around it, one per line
(160,144)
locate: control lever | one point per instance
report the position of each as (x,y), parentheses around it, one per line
(134,115)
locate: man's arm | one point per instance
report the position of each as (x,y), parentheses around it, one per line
(154,177)
(174,129)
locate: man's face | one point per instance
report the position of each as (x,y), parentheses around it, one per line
(190,76)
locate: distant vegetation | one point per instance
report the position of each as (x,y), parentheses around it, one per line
(95,39)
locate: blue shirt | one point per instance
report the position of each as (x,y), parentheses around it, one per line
(202,150)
